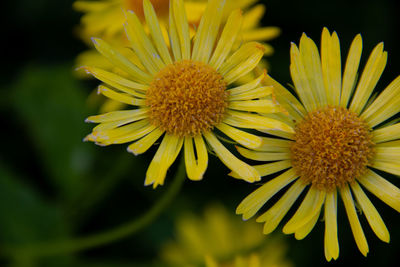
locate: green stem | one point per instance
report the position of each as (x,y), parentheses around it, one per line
(96,240)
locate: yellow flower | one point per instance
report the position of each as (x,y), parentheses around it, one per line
(183,94)
(341,137)
(105,19)
(219,239)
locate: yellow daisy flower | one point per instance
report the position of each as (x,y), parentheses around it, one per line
(341,137)
(183,94)
(105,19)
(218,238)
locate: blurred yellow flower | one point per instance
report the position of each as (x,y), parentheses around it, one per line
(341,137)
(219,239)
(184,94)
(105,18)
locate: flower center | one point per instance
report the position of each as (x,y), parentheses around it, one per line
(332,147)
(186,98)
(160,6)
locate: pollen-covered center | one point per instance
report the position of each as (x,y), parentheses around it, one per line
(186,98)
(332,147)
(160,6)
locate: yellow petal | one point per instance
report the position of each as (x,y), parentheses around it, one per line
(253,202)
(120,97)
(351,70)
(195,168)
(163,159)
(245,171)
(276,213)
(228,37)
(115,80)
(242,137)
(331,235)
(182,27)
(358,232)
(145,143)
(372,215)
(381,188)
(263,156)
(369,78)
(269,168)
(308,209)
(121,62)
(155,31)
(207,32)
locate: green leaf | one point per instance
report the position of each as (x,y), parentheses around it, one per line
(51,104)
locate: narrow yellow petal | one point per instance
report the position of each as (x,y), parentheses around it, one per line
(384,106)
(134,135)
(121,62)
(358,232)
(299,76)
(105,133)
(182,27)
(331,235)
(118,115)
(145,143)
(390,167)
(173,35)
(263,156)
(247,86)
(372,215)
(252,17)
(248,120)
(351,70)
(245,171)
(163,159)
(242,62)
(381,188)
(286,100)
(312,68)
(387,154)
(269,168)
(195,169)
(155,31)
(253,202)
(242,137)
(331,66)
(276,213)
(303,231)
(258,92)
(120,97)
(369,78)
(115,80)
(389,133)
(208,30)
(267,106)
(310,206)
(274,145)
(142,45)
(260,34)
(227,39)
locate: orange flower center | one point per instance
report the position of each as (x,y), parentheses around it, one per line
(160,6)
(186,98)
(332,147)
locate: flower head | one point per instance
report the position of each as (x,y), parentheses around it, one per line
(184,94)
(105,18)
(343,134)
(219,239)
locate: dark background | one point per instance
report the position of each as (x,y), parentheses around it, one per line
(54,186)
